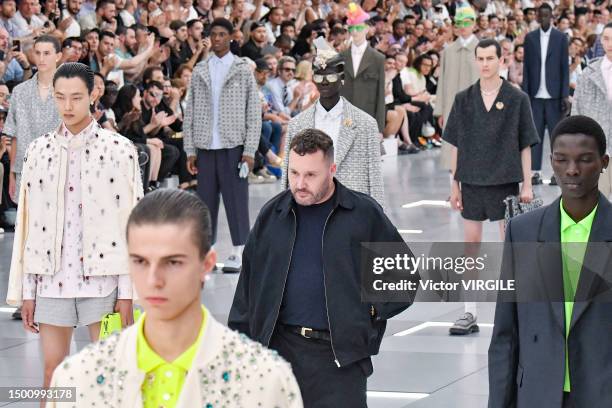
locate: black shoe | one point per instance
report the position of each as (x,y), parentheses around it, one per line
(407,149)
(17,314)
(466,324)
(536,179)
(553,181)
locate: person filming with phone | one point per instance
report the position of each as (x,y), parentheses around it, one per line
(16,66)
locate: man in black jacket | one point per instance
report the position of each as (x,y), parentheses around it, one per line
(299,288)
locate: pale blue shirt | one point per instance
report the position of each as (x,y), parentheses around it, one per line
(218,68)
(276,86)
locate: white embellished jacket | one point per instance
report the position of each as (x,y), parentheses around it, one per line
(110,187)
(229,370)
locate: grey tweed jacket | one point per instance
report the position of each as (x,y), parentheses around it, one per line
(357,152)
(239,110)
(591,99)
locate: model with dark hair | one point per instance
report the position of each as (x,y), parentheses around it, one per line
(551,351)
(68,268)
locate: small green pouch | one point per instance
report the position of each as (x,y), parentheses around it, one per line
(111,323)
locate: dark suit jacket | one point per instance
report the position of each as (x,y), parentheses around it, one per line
(366,88)
(557,64)
(527,351)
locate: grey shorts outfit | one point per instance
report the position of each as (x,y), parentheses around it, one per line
(73,312)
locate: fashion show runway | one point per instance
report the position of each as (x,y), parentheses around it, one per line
(419,364)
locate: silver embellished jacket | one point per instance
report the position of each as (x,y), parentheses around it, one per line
(111,187)
(357,152)
(239,110)
(591,99)
(228,370)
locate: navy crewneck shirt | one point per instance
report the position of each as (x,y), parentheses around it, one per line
(304,302)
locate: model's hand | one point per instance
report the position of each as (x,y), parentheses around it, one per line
(566,106)
(249,161)
(125,310)
(526,193)
(456,201)
(27,316)
(12,187)
(192,167)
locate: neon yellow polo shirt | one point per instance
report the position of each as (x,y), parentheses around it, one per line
(164,381)
(573,255)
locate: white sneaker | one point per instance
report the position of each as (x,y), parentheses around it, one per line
(232,264)
(1,230)
(255,179)
(268,177)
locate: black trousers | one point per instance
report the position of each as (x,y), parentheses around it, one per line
(546,114)
(180,166)
(218,175)
(169,156)
(145,168)
(323,384)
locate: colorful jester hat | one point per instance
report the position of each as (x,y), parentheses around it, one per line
(356,15)
(326,56)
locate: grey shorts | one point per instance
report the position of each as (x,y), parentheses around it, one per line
(73,312)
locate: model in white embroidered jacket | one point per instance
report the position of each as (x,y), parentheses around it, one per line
(79,183)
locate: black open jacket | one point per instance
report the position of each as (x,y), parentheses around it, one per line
(355,218)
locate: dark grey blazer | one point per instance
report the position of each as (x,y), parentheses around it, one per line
(527,351)
(366,88)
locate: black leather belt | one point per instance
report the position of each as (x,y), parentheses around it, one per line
(309,333)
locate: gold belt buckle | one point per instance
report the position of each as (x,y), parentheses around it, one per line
(303,332)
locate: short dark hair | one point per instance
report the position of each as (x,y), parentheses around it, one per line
(174,206)
(193,22)
(397,22)
(122,30)
(224,23)
(177,24)
(580,125)
(418,61)
(103,3)
(609,25)
(489,42)
(148,72)
(49,39)
(107,34)
(545,6)
(287,23)
(75,70)
(153,84)
(310,141)
(68,41)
